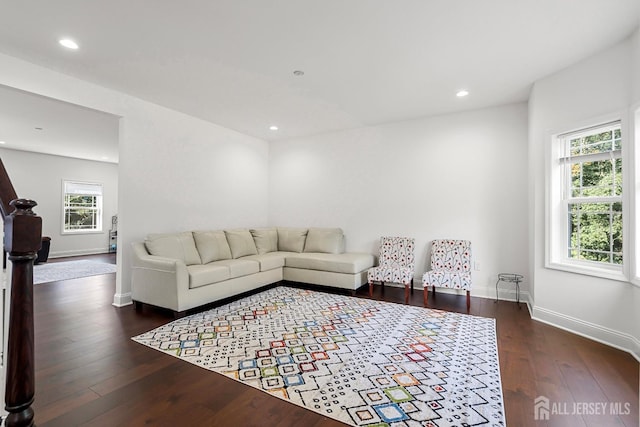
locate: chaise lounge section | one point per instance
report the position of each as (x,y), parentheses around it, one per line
(181,271)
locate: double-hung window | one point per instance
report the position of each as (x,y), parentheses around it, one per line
(587,199)
(82,207)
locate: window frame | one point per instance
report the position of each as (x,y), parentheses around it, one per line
(98,229)
(634,228)
(557,214)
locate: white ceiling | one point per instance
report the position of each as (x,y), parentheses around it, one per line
(35,123)
(366,62)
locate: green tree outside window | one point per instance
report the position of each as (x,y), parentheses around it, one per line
(595,202)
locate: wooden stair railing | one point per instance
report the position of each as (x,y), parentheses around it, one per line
(22,240)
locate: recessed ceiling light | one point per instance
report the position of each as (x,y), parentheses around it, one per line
(274,127)
(3,142)
(462,93)
(298,73)
(68,43)
(104,158)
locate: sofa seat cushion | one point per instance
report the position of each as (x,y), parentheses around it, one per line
(239,267)
(206,274)
(349,263)
(269,261)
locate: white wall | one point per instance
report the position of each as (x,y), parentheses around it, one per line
(600,85)
(451,176)
(176,172)
(39,177)
(181,173)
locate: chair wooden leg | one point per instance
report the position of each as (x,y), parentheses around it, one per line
(370,289)
(406,294)
(425,295)
(468,300)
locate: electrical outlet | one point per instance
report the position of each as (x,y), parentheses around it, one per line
(476,265)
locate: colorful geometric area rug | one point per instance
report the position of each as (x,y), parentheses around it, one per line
(359,361)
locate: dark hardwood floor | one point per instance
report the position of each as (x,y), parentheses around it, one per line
(89,372)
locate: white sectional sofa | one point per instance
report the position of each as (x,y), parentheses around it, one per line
(180,271)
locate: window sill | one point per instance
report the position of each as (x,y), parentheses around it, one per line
(590,270)
(75,233)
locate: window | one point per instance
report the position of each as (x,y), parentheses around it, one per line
(587,198)
(82,207)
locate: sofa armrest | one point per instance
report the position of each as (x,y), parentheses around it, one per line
(142,259)
(157,280)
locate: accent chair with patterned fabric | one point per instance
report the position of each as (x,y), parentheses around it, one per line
(396,265)
(450,267)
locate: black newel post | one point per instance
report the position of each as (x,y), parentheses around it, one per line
(23,237)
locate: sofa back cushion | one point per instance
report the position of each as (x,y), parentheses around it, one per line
(175,245)
(241,243)
(291,239)
(266,239)
(212,245)
(325,240)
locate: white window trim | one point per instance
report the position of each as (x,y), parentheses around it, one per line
(634,177)
(100,229)
(555,213)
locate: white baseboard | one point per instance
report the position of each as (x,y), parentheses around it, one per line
(610,337)
(478,292)
(122,300)
(78,252)
(601,334)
